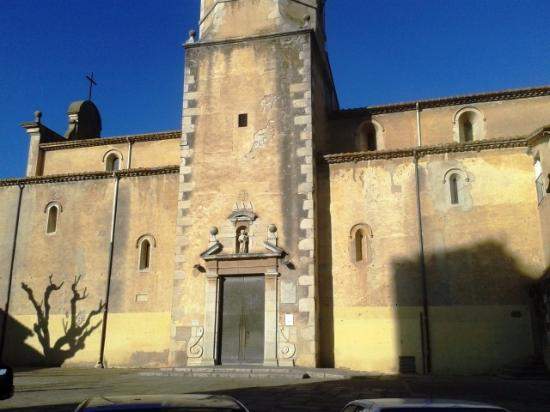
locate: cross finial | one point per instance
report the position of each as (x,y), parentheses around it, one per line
(92,84)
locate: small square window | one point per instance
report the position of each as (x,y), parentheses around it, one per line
(243,120)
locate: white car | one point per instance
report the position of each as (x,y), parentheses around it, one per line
(418,405)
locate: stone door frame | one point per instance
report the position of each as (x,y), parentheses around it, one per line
(258,264)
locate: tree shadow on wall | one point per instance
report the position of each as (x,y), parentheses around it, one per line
(16,337)
(480,308)
(76,330)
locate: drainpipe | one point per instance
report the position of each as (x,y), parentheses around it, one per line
(129,162)
(100,362)
(10,278)
(426,347)
(418,127)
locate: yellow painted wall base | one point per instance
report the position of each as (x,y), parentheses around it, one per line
(137,339)
(24,349)
(465,339)
(373,338)
(133,339)
(479,339)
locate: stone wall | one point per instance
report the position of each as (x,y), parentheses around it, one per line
(502,118)
(481,257)
(69,270)
(222,20)
(265,167)
(90,155)
(8,212)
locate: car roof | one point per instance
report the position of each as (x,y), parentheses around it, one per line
(170,401)
(426,403)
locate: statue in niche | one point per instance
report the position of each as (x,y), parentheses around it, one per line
(242,241)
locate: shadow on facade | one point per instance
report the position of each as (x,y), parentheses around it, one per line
(325,285)
(76,329)
(16,336)
(480,316)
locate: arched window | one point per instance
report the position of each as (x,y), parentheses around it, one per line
(145,255)
(112,163)
(359,240)
(453,188)
(369,136)
(469,125)
(145,245)
(51,225)
(360,244)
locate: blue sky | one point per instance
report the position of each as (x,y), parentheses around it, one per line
(382,51)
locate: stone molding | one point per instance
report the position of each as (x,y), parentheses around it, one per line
(538,135)
(489,144)
(248,38)
(303,122)
(510,94)
(265,264)
(147,137)
(183,222)
(75,177)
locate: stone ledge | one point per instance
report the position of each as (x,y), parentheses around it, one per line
(421,151)
(447,101)
(74,177)
(147,137)
(252,372)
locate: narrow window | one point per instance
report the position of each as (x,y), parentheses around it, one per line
(243,120)
(453,187)
(145,255)
(371,143)
(469,126)
(468,130)
(52,219)
(368,137)
(113,163)
(359,238)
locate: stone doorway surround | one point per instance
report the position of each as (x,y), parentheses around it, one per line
(224,265)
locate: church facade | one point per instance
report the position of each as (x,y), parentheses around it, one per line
(277,229)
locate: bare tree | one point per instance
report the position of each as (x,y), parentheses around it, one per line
(75,332)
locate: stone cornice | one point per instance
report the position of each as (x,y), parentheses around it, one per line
(146,137)
(76,177)
(243,256)
(489,144)
(446,101)
(539,135)
(247,38)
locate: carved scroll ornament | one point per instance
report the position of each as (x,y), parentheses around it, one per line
(194,350)
(287,350)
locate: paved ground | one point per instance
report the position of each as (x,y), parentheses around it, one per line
(62,389)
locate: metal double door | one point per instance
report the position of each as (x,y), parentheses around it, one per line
(242,319)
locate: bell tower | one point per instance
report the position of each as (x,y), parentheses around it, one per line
(257,89)
(228,19)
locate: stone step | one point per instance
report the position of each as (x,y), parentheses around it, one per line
(249,372)
(533,368)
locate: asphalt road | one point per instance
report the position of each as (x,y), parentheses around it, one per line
(63,389)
